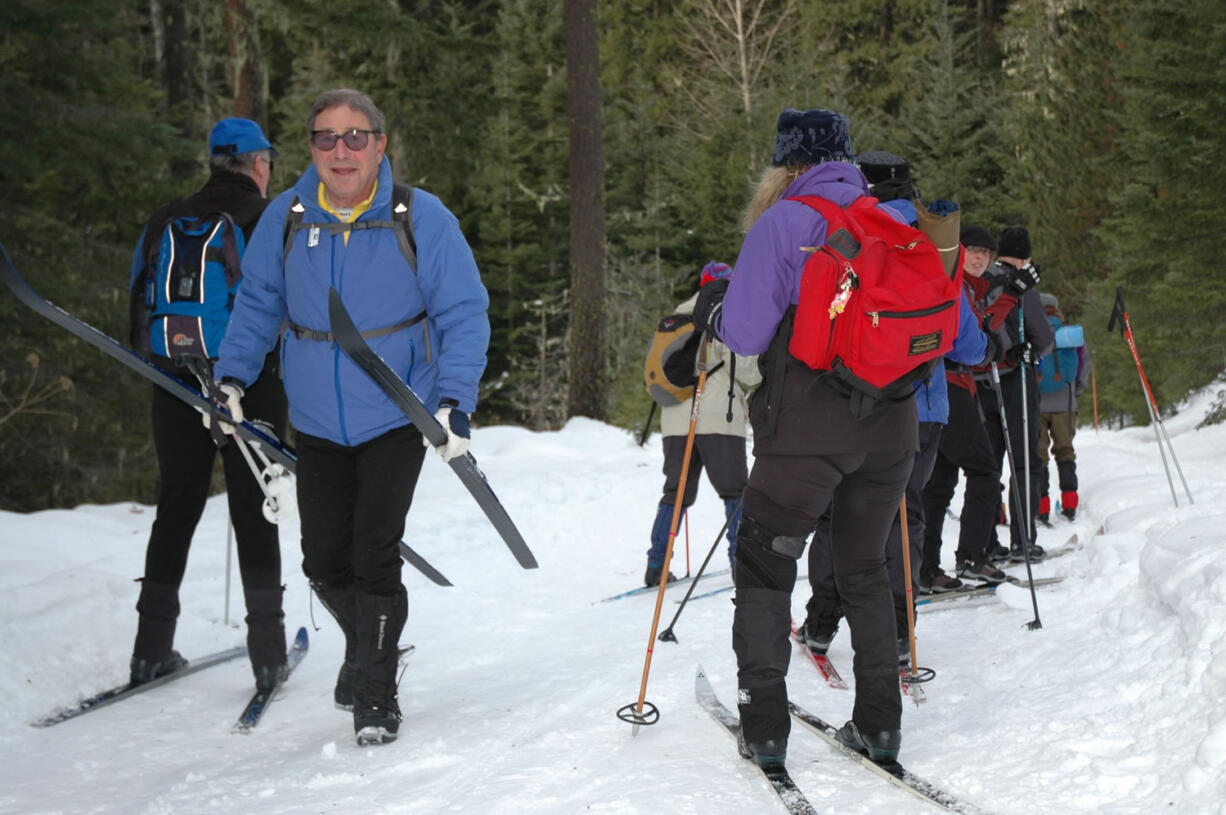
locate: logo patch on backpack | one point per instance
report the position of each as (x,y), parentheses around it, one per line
(876,306)
(196,273)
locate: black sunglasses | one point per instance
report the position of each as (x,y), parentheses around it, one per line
(353,138)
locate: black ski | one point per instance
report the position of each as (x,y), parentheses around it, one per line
(127,691)
(890,770)
(173,385)
(351,342)
(260,701)
(780,781)
(978,591)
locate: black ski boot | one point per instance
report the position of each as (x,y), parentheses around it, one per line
(818,636)
(152,654)
(766,754)
(879,747)
(266,637)
(376,708)
(341,604)
(652,577)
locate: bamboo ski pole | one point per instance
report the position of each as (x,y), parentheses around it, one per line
(906,573)
(634,713)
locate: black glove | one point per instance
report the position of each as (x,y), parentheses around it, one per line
(1022,280)
(707,306)
(1021,354)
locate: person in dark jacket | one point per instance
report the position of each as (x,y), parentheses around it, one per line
(359,457)
(889,178)
(240,160)
(810,452)
(965,443)
(1027,336)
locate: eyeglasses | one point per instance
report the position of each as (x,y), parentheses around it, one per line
(353,138)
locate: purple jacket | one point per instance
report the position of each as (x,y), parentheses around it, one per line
(766,277)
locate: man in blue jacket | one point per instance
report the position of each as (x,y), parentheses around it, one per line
(358,456)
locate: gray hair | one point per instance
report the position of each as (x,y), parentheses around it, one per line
(238,163)
(354,100)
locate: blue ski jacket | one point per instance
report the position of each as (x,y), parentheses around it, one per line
(285,292)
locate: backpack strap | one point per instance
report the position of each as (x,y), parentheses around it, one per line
(840,234)
(326,336)
(401,223)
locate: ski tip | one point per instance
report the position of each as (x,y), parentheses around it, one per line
(301,640)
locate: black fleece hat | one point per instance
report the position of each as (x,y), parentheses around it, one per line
(976,235)
(811,137)
(1015,242)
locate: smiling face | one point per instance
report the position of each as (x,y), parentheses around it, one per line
(348,175)
(977,260)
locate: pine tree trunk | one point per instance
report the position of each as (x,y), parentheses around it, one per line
(587,318)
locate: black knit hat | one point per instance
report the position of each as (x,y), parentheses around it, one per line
(811,137)
(976,235)
(1015,242)
(882,165)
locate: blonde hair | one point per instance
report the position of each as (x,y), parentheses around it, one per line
(770,189)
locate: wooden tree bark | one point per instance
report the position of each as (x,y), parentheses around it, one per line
(587,394)
(171,20)
(246,69)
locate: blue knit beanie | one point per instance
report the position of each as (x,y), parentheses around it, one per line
(811,137)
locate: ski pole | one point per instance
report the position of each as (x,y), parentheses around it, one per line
(651,414)
(1120,312)
(667,634)
(229,543)
(634,713)
(1004,424)
(1023,368)
(687,543)
(1094,392)
(906,572)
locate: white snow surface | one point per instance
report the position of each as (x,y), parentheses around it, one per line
(1117,705)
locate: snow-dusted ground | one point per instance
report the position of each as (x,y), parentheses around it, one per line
(1117,705)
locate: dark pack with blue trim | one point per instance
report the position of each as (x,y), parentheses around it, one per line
(195,274)
(1059,369)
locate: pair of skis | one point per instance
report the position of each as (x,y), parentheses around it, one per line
(790,795)
(354,346)
(247,720)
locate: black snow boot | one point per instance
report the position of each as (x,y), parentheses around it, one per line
(341,603)
(266,636)
(376,709)
(152,654)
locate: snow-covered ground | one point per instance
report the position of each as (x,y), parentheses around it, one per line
(1117,705)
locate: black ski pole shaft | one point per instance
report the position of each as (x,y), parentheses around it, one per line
(667,634)
(1036,623)
(651,414)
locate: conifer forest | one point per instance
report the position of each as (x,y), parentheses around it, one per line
(1096,124)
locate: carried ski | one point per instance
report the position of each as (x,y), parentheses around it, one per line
(978,591)
(783,785)
(820,661)
(260,701)
(176,387)
(889,770)
(129,690)
(354,346)
(652,589)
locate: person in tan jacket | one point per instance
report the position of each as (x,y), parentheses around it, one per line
(719,439)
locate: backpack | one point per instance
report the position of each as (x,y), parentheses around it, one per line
(672,357)
(196,269)
(876,309)
(1059,369)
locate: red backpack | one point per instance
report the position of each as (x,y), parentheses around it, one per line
(876,308)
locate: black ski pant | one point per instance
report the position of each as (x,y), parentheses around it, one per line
(724,459)
(352,502)
(964,445)
(185,454)
(1020,445)
(824,608)
(784,500)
